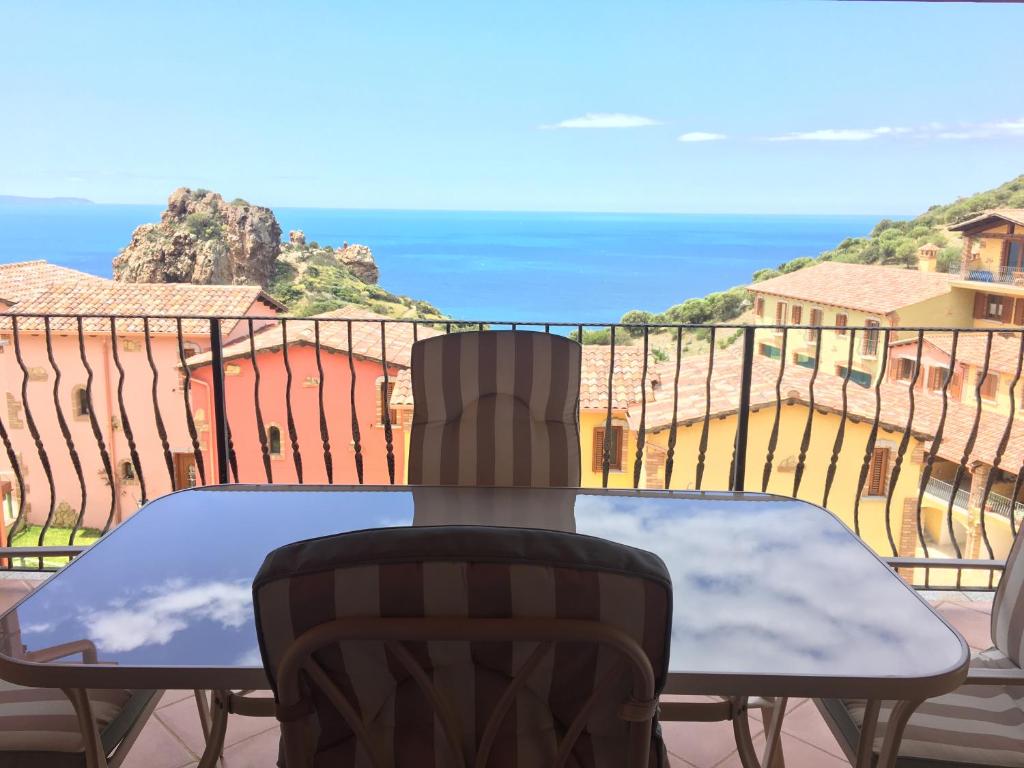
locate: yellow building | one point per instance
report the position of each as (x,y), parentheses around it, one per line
(855,296)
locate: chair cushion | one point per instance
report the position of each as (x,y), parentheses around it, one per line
(43,719)
(977,725)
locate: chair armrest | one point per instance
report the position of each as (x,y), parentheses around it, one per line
(84,647)
(995,677)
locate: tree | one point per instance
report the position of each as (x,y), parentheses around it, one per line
(637,317)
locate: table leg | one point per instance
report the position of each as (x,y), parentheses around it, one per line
(218,726)
(894,732)
(772,757)
(95,757)
(866,745)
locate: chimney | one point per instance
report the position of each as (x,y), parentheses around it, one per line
(927,257)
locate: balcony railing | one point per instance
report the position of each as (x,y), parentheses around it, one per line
(103,413)
(984,274)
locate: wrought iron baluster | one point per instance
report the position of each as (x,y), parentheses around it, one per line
(837,446)
(673,428)
(33,430)
(415,331)
(929,461)
(773,436)
(641,430)
(968,450)
(606,457)
(65,431)
(998,458)
(293,434)
(904,442)
(190,421)
(738,470)
(805,441)
(12,457)
(448,328)
(356,445)
(222,431)
(261,430)
(386,407)
(869,448)
(702,446)
(158,418)
(325,434)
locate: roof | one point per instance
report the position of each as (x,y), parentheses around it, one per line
(109,297)
(22,280)
(988,218)
(970,349)
(366,336)
(794,387)
(626,386)
(866,287)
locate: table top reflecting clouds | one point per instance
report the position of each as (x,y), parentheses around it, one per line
(766,589)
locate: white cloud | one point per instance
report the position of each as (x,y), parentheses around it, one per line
(605,120)
(994,130)
(840,134)
(700,136)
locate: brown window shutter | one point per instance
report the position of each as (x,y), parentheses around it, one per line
(956,385)
(798,312)
(1018,312)
(598,457)
(878,472)
(780,313)
(1007,314)
(616,460)
(759,306)
(384,400)
(841,322)
(980,300)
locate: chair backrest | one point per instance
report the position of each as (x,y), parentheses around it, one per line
(1008,606)
(496,408)
(430,646)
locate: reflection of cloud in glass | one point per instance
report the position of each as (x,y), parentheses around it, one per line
(250,658)
(166,610)
(779,586)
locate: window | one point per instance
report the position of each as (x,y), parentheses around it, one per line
(383,401)
(805,361)
(878,472)
(905,369)
(869,347)
(812,332)
(798,314)
(989,386)
(770,351)
(780,314)
(860,378)
(937,378)
(841,322)
(191,348)
(614,449)
(759,306)
(127,472)
(79,402)
(274,440)
(994,307)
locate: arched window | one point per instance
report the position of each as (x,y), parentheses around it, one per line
(127,472)
(191,348)
(274,439)
(79,402)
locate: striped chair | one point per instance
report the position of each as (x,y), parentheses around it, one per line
(41,727)
(979,724)
(496,408)
(465,645)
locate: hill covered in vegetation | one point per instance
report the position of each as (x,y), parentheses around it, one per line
(891,242)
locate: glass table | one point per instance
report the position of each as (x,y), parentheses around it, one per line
(773,597)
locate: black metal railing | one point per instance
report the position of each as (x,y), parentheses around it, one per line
(899,453)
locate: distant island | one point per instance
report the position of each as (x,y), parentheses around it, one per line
(29,201)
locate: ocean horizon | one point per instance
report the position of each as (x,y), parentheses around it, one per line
(516,266)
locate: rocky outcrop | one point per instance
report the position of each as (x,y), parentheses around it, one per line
(203,239)
(359,260)
(297,237)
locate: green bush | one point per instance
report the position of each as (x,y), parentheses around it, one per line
(203,225)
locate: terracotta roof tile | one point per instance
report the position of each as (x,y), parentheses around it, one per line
(970,349)
(366,336)
(22,280)
(866,287)
(1016,215)
(109,297)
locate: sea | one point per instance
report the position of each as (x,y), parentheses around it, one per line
(539,267)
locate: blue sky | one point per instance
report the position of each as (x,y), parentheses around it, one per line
(795,107)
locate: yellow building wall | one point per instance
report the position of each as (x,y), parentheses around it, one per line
(951,310)
(594,419)
(988,252)
(846,486)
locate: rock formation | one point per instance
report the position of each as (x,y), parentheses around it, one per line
(202,239)
(359,261)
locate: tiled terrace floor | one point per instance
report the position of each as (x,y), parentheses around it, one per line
(172,739)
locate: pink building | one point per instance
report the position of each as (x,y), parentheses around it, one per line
(121,454)
(266,448)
